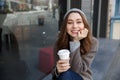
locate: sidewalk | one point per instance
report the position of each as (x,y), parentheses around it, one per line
(105,57)
(114,70)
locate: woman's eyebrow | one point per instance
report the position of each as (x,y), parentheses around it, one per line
(69,19)
(79,19)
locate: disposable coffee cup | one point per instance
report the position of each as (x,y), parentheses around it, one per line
(64,54)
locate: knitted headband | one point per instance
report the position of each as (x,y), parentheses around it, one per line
(74,9)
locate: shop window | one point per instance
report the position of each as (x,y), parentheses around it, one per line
(117,8)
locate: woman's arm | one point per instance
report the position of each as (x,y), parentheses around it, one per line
(81,63)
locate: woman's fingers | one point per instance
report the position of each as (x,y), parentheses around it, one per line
(81,34)
(63,69)
(63,65)
(84,33)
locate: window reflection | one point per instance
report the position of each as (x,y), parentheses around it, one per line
(28,30)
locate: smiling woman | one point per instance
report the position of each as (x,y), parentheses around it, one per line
(76,36)
(75,27)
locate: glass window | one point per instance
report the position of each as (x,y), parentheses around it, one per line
(117,8)
(27,37)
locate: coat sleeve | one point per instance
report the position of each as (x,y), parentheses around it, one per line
(81,63)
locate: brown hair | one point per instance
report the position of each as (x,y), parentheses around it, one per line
(64,38)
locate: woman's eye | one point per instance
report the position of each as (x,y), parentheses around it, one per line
(69,22)
(79,22)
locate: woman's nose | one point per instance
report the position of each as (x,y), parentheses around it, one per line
(74,25)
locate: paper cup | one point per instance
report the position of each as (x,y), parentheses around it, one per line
(63,54)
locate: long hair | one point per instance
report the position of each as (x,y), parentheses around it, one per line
(63,37)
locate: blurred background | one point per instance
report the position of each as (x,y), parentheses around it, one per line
(29,28)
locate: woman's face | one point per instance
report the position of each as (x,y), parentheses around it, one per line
(74,24)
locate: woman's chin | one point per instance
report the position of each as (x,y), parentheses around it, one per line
(74,36)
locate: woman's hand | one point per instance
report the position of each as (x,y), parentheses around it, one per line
(81,35)
(63,65)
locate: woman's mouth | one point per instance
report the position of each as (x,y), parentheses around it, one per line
(75,31)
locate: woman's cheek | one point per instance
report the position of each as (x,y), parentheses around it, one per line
(82,28)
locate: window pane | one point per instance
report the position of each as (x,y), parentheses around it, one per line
(117,8)
(28,31)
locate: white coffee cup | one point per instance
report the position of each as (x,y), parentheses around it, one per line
(64,54)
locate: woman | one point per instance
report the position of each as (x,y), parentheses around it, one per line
(75,35)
